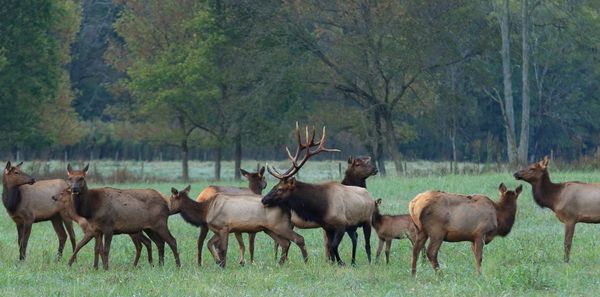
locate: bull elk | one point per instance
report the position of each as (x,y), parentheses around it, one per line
(114,211)
(138,239)
(28,202)
(331,206)
(571,202)
(227,213)
(256,184)
(442,216)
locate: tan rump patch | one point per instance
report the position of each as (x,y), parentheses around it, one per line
(206,194)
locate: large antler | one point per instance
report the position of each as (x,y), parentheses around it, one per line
(301,147)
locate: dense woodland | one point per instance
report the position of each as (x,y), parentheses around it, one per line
(463,80)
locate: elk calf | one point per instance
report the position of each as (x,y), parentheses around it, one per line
(389,227)
(449,217)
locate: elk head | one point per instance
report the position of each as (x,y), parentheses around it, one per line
(507,195)
(256,180)
(287,183)
(377,203)
(177,197)
(13,176)
(361,167)
(533,172)
(77,179)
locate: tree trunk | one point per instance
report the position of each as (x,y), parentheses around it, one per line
(392,142)
(378,155)
(525,114)
(453,142)
(184,161)
(218,158)
(509,111)
(238,156)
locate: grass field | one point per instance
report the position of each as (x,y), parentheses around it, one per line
(527,262)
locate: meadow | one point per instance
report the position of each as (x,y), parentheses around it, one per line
(527,262)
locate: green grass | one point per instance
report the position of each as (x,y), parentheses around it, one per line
(527,262)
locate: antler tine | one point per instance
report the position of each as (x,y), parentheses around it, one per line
(274,172)
(321,147)
(294,159)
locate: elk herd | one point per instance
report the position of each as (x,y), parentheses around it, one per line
(336,207)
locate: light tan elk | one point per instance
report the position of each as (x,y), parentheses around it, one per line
(28,202)
(390,227)
(449,217)
(571,202)
(331,206)
(114,211)
(256,184)
(226,213)
(138,239)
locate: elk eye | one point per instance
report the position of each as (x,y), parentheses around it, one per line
(16,172)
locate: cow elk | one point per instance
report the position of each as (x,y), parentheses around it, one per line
(331,206)
(256,184)
(227,213)
(449,217)
(390,227)
(571,202)
(28,202)
(112,211)
(138,239)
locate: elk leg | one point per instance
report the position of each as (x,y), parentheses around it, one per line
(212,242)
(107,241)
(327,238)
(289,234)
(569,232)
(201,238)
(148,244)
(166,235)
(432,251)
(97,250)
(160,245)
(138,248)
(251,237)
(276,247)
(223,241)
(379,249)
(388,245)
(86,238)
(354,238)
(367,232)
(478,253)
(62,235)
(19,234)
(284,243)
(240,241)
(24,239)
(335,243)
(69,226)
(417,247)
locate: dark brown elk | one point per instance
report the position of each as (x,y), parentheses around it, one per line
(390,227)
(256,184)
(331,206)
(449,217)
(138,239)
(226,213)
(28,202)
(114,211)
(571,202)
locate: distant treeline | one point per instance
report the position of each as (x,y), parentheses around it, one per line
(461,81)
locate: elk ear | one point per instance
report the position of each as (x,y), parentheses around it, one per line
(69,169)
(351,160)
(378,202)
(187,189)
(19,165)
(7,168)
(502,188)
(292,182)
(519,189)
(174,191)
(367,159)
(544,162)
(244,172)
(262,171)
(85,169)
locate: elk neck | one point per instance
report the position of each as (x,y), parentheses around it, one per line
(353,180)
(376,219)
(506,211)
(309,202)
(86,202)
(195,212)
(255,188)
(545,191)
(11,195)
